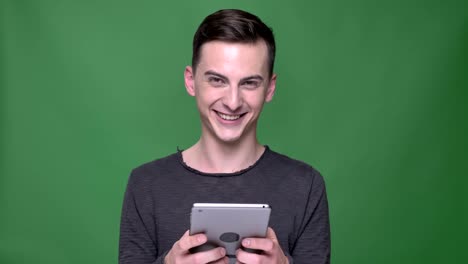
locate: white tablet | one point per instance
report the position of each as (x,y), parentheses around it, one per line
(226,224)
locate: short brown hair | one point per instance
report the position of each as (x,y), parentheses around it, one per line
(233,25)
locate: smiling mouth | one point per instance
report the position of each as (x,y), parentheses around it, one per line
(229,117)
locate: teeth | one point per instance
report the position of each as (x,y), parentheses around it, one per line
(228,117)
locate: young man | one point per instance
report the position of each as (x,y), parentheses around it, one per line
(231,77)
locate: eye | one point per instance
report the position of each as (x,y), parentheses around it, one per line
(216,81)
(251,84)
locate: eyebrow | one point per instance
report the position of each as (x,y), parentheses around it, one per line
(252,77)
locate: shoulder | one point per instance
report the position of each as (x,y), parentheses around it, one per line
(149,172)
(294,169)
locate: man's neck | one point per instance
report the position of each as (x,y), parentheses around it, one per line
(212,156)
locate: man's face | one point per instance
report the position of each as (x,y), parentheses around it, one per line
(231,84)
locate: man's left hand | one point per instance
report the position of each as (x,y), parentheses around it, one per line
(271,250)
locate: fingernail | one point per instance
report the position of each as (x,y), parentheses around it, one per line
(222,251)
(246,242)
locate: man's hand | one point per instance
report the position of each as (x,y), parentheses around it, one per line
(179,253)
(272,252)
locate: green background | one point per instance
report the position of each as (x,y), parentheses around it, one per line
(371,93)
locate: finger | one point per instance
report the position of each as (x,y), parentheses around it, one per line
(265,244)
(211,255)
(247,257)
(271,234)
(187,241)
(223,260)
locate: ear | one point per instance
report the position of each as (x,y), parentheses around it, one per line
(271,89)
(189,80)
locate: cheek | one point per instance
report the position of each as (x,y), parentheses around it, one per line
(202,104)
(205,98)
(256,100)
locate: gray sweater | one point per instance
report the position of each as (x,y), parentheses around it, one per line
(160,194)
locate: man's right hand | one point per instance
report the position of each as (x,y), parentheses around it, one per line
(179,253)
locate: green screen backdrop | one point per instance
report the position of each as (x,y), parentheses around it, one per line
(371,93)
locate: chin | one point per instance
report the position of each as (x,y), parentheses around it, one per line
(228,139)
(228,135)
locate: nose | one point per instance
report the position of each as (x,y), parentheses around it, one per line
(233,99)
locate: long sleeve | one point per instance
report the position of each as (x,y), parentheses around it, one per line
(137,244)
(313,244)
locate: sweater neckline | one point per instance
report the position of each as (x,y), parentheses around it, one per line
(229,174)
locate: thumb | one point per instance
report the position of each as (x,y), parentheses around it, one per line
(271,234)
